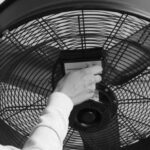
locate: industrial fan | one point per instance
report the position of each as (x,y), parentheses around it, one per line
(42,41)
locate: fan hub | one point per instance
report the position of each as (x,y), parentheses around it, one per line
(88,117)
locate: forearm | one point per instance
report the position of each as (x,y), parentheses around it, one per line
(51,131)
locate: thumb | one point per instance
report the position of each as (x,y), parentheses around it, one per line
(83,97)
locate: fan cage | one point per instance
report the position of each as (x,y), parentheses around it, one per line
(29,53)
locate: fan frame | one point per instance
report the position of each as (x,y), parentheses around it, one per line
(9,24)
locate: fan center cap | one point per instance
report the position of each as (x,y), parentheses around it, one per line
(87,116)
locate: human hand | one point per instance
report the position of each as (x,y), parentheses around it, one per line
(80,85)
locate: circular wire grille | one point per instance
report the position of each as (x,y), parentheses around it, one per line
(29,52)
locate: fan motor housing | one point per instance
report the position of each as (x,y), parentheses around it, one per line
(92,116)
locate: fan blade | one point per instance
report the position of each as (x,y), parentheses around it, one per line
(127,58)
(73,140)
(106,139)
(30,69)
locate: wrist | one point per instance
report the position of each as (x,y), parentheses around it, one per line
(61,102)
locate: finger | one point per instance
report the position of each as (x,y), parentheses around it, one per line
(83,97)
(94,70)
(92,79)
(97,78)
(92,88)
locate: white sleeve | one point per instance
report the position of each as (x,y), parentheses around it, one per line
(52,129)
(8,148)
